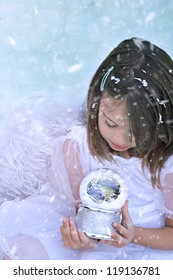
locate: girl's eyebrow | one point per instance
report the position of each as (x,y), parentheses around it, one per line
(109,118)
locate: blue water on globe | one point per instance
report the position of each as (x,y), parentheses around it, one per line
(54,47)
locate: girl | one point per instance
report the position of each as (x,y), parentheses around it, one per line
(129,129)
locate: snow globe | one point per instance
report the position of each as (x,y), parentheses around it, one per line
(102,194)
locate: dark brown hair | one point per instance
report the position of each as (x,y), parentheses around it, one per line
(145,81)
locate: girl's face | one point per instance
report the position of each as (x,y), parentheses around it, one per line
(114,125)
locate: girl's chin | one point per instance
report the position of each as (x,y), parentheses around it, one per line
(123,154)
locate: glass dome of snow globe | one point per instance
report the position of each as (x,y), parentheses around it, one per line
(103,189)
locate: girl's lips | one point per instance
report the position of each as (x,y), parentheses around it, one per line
(118,147)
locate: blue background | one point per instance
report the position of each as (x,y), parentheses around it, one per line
(54,46)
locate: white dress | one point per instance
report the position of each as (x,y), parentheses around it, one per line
(36,195)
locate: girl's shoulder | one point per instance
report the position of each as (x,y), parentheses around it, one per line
(75,140)
(77,132)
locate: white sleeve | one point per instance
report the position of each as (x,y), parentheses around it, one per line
(167,188)
(69,164)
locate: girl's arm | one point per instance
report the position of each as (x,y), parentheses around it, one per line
(73,166)
(161,238)
(158,238)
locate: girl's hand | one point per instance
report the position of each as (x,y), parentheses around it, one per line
(75,238)
(126,230)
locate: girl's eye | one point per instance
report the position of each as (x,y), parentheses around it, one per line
(110,125)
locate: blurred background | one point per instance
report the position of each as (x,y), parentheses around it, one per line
(53,47)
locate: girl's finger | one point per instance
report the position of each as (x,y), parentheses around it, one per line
(86,242)
(124,210)
(82,236)
(73,231)
(126,216)
(65,231)
(121,230)
(117,238)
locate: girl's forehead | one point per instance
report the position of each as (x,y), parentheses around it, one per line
(110,102)
(114,108)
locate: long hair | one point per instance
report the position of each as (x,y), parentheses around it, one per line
(145,80)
